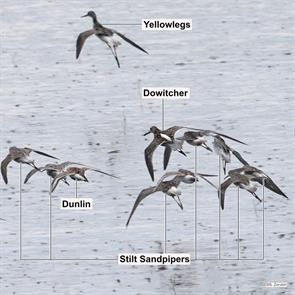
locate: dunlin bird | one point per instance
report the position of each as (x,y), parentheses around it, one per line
(105,34)
(20,155)
(52,170)
(257,175)
(225,151)
(195,138)
(169,187)
(239,180)
(75,173)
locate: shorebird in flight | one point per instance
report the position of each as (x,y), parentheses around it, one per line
(248,177)
(167,139)
(225,151)
(257,175)
(105,34)
(20,155)
(169,187)
(52,170)
(75,173)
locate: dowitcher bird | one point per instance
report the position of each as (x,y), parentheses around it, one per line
(239,180)
(105,34)
(52,170)
(20,155)
(169,187)
(75,173)
(163,138)
(257,175)
(167,139)
(225,151)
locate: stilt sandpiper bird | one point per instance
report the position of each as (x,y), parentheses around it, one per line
(105,34)
(20,155)
(225,151)
(257,175)
(75,173)
(52,170)
(248,177)
(169,187)
(171,143)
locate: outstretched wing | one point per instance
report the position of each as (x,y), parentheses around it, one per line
(148,155)
(58,178)
(221,191)
(44,154)
(208,175)
(210,132)
(31,173)
(99,171)
(143,194)
(239,157)
(81,40)
(269,183)
(167,154)
(130,42)
(4,165)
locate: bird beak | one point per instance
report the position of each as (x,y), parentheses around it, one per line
(84,15)
(147,133)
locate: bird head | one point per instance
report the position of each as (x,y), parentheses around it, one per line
(90,13)
(153,129)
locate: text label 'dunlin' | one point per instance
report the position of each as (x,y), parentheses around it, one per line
(76,204)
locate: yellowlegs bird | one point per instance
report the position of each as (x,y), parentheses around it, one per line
(105,34)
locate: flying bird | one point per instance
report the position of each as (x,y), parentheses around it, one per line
(75,173)
(169,187)
(225,151)
(106,35)
(52,170)
(20,155)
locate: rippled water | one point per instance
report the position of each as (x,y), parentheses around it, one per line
(238,62)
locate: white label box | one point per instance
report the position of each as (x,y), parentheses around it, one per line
(167,24)
(76,204)
(165,93)
(154,259)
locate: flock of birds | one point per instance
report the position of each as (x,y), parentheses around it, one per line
(57,172)
(247,177)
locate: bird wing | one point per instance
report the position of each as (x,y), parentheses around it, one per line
(130,42)
(168,174)
(148,154)
(269,183)
(4,165)
(212,133)
(211,183)
(44,154)
(99,171)
(221,191)
(58,178)
(167,154)
(31,173)
(143,194)
(81,40)
(239,157)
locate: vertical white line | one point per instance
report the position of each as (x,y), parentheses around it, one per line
(238,234)
(165,197)
(263,229)
(196,202)
(219,208)
(20,212)
(50,220)
(76,188)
